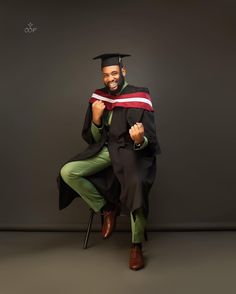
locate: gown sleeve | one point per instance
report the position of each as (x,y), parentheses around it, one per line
(147,118)
(86,130)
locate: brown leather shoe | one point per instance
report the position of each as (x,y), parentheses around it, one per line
(109,222)
(136,260)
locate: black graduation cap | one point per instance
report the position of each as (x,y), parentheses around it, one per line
(111,58)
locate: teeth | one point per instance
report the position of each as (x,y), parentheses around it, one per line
(113,85)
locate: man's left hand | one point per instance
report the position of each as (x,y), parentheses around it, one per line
(137,133)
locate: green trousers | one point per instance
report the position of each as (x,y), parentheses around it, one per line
(73,174)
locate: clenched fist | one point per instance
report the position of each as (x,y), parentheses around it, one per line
(97,110)
(137,133)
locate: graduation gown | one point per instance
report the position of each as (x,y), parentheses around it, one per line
(129,179)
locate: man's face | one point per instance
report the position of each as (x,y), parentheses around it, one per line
(112,77)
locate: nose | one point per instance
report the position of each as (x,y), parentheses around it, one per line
(110,78)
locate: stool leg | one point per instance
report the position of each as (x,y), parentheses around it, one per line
(88,228)
(145,235)
(102,219)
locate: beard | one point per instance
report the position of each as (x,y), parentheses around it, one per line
(121,82)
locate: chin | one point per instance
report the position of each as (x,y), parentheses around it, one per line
(113,91)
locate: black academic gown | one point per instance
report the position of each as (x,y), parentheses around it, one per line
(129,179)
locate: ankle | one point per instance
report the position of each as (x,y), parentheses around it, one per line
(137,245)
(108,207)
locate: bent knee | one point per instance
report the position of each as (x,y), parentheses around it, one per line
(68,171)
(65,172)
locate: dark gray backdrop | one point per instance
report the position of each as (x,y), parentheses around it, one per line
(183,51)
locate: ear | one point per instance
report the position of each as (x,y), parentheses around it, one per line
(123,71)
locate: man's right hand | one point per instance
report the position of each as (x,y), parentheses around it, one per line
(97,110)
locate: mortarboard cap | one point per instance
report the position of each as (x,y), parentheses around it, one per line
(111,59)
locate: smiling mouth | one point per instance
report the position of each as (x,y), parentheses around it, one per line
(113,85)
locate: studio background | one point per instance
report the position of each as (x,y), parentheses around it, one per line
(183,51)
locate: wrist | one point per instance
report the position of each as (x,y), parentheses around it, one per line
(140,142)
(97,122)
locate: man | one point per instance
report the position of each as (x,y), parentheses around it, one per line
(118,168)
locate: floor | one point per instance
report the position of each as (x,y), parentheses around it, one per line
(176,262)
